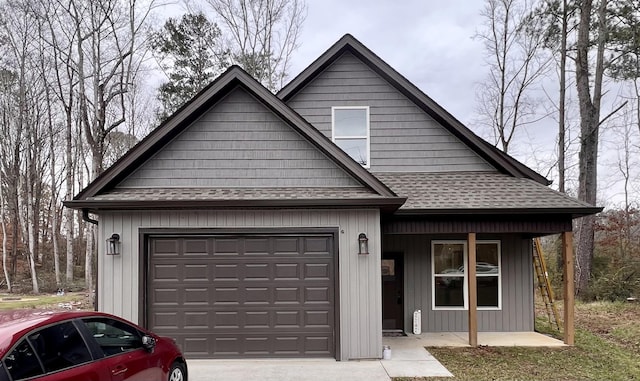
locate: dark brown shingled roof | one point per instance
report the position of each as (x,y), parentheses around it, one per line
(179,198)
(168,194)
(479,193)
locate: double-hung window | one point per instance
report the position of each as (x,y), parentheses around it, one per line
(350,131)
(449,279)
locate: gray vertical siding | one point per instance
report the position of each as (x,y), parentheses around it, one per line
(517,313)
(360,299)
(403,137)
(239,143)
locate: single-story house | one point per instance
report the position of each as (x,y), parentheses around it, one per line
(305,223)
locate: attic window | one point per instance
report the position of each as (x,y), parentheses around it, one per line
(351,132)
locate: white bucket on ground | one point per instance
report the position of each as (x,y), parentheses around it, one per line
(386,352)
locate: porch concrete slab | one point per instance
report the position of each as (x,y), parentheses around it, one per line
(286,370)
(491,339)
(518,339)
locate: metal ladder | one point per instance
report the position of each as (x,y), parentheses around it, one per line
(544,284)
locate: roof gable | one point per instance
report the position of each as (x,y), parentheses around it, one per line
(238,143)
(402,137)
(234,78)
(348,43)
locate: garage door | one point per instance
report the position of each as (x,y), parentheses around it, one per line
(230,296)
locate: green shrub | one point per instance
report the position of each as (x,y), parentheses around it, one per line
(613,281)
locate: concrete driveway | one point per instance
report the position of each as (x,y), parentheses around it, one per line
(286,370)
(409,359)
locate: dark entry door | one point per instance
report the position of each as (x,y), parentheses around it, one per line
(392,292)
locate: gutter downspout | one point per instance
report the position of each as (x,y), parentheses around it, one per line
(85,216)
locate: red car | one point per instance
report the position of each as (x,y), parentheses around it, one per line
(83,346)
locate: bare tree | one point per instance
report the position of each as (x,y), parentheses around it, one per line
(590,102)
(3,224)
(19,28)
(60,49)
(108,48)
(625,164)
(6,90)
(263,34)
(106,37)
(562,98)
(514,46)
(3,201)
(45,68)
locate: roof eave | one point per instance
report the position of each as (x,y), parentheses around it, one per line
(387,203)
(575,212)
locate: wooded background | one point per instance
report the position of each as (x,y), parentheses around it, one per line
(77,91)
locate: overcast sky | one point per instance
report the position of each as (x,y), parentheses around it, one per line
(428,41)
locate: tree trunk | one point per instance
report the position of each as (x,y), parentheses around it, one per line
(28,222)
(34,277)
(4,236)
(54,193)
(562,115)
(589,133)
(69,195)
(561,101)
(14,242)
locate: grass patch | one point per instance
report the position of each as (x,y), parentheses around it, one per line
(44,301)
(607,348)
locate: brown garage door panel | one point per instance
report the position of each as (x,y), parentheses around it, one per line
(255,345)
(241,245)
(246,319)
(242,295)
(229,270)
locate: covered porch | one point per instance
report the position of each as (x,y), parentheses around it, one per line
(462,251)
(414,244)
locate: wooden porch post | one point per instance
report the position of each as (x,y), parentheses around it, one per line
(569,290)
(473,292)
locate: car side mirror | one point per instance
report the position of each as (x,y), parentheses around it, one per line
(148,343)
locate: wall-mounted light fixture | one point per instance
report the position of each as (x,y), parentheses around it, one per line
(363,244)
(113,244)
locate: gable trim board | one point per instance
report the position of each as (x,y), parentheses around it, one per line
(348,43)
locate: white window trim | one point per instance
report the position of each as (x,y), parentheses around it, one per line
(465,281)
(433,276)
(367,136)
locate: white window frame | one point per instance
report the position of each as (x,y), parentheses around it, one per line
(466,280)
(367,137)
(457,275)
